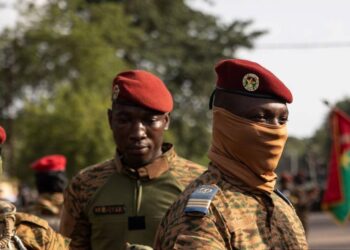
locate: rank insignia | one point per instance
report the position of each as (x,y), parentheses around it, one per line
(250,82)
(115,92)
(200,199)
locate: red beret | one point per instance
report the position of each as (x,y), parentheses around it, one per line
(249,78)
(142,88)
(2,135)
(50,163)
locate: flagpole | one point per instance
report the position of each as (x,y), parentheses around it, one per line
(328,104)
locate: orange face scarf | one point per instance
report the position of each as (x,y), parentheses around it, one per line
(247,150)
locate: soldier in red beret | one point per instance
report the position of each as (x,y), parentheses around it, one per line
(122,200)
(25,231)
(50,180)
(235,205)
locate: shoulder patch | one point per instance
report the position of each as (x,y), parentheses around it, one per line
(200,199)
(280,194)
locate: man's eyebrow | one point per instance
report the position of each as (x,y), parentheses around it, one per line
(121,112)
(153,113)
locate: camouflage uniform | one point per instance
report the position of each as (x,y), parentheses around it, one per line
(48,207)
(111,204)
(238,218)
(25,231)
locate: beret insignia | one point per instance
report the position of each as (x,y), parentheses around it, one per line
(115,92)
(250,82)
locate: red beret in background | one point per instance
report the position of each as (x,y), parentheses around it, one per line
(142,88)
(50,163)
(249,78)
(286,177)
(2,135)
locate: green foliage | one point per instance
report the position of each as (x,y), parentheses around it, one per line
(56,69)
(62,47)
(71,123)
(182,45)
(60,70)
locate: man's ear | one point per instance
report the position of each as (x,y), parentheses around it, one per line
(110,114)
(167,121)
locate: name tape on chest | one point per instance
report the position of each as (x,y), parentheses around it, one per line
(200,199)
(109,209)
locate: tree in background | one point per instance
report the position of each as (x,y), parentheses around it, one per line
(56,62)
(57,69)
(182,45)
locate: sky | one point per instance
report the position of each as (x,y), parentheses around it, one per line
(319,70)
(307,46)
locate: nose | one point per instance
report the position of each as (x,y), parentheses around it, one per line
(274,121)
(138,131)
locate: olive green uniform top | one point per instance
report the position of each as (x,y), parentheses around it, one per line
(238,217)
(112,204)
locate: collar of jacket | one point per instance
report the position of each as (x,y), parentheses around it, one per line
(152,170)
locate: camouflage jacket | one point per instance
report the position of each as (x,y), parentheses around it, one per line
(238,218)
(36,234)
(25,231)
(48,207)
(99,210)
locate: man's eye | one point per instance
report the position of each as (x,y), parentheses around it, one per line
(121,119)
(259,118)
(152,120)
(283,120)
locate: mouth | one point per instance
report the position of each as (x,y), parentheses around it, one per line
(138,149)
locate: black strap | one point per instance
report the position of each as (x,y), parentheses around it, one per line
(211,100)
(280,194)
(239,92)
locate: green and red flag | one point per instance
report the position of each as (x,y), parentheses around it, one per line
(336,198)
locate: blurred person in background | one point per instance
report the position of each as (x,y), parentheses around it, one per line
(122,200)
(24,231)
(305,193)
(8,190)
(286,186)
(50,180)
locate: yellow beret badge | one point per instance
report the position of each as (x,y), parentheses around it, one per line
(250,82)
(115,92)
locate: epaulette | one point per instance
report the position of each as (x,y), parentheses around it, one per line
(280,194)
(200,199)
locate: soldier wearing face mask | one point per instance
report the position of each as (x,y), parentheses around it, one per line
(234,205)
(24,231)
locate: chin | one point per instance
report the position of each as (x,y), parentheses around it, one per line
(139,162)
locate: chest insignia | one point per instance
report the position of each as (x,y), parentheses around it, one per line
(109,209)
(200,199)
